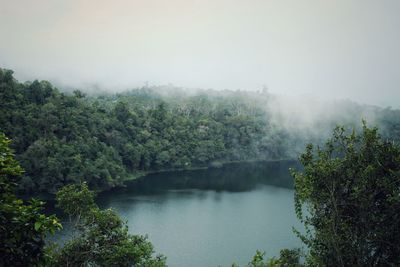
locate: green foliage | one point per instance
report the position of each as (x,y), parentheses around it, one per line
(348,197)
(23,227)
(350,190)
(290,258)
(287,258)
(63,138)
(258,260)
(75,200)
(103,238)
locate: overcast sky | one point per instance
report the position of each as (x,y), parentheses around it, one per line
(336,48)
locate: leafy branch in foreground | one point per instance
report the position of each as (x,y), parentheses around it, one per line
(348,197)
(287,258)
(103,238)
(23,226)
(350,190)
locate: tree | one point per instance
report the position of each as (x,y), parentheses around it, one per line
(23,227)
(76,202)
(287,258)
(103,238)
(350,189)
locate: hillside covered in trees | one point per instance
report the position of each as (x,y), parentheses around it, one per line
(70,137)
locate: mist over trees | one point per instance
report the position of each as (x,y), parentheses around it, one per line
(62,138)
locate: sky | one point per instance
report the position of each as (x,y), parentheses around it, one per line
(342,49)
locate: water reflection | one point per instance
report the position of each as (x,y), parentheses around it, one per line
(234,177)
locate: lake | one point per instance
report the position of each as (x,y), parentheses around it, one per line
(212,217)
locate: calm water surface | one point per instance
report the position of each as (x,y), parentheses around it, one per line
(212,217)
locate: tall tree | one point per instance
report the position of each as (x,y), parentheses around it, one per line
(350,190)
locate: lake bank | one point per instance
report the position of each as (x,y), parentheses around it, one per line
(138,174)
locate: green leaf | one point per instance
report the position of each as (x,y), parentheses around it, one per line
(38,225)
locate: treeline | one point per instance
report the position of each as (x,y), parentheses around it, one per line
(62,138)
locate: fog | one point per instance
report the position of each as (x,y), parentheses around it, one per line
(328,49)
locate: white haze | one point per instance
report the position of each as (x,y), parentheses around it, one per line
(329,49)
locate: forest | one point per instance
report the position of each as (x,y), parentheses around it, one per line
(347,197)
(73,145)
(104,139)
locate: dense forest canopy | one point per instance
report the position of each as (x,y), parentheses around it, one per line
(70,137)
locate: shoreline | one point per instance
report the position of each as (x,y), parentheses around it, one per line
(219,164)
(47,196)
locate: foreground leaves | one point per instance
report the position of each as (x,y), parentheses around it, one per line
(101,238)
(23,226)
(350,192)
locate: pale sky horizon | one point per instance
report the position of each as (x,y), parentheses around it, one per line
(333,49)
